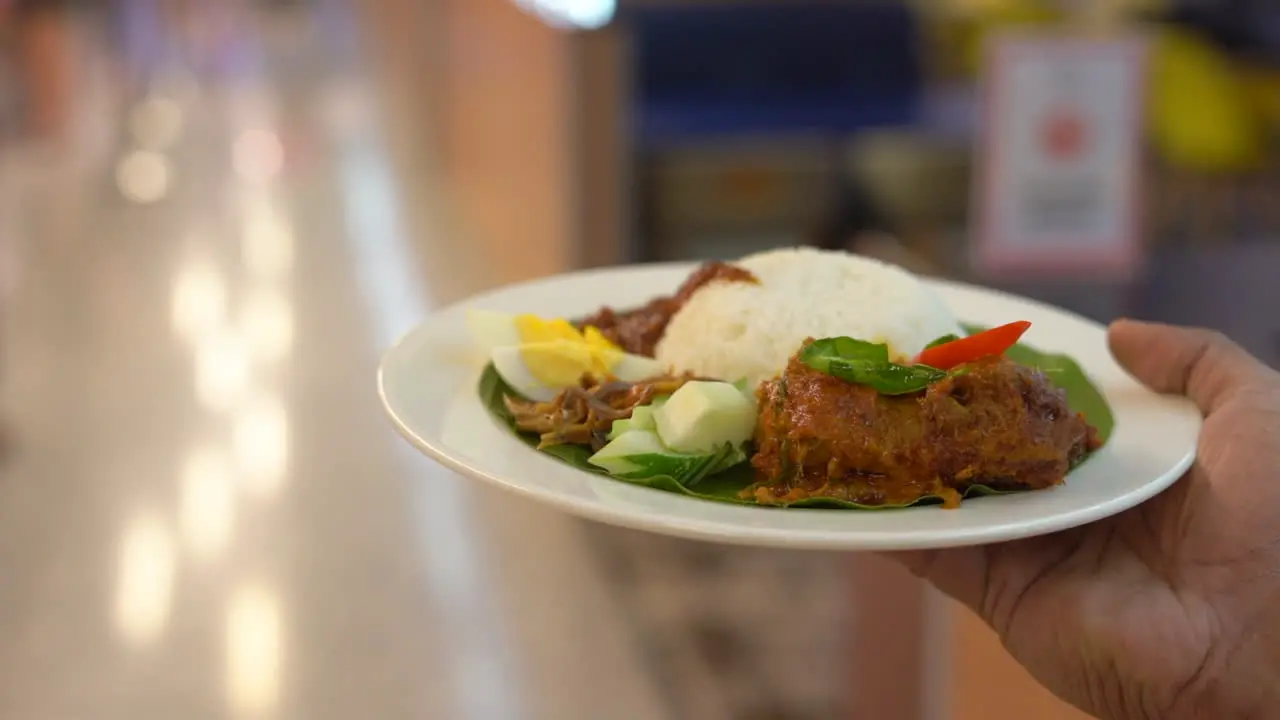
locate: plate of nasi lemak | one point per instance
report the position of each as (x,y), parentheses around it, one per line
(795,398)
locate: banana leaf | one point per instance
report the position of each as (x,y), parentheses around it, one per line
(1082,396)
(726,486)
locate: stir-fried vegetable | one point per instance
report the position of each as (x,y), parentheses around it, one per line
(958,351)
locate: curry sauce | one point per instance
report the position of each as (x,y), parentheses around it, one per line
(993,423)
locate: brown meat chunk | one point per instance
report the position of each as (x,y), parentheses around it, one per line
(995,423)
(639,331)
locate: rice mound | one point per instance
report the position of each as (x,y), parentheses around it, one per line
(736,330)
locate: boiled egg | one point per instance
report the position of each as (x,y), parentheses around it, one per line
(491,329)
(539,357)
(539,371)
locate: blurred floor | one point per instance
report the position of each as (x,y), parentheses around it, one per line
(202,512)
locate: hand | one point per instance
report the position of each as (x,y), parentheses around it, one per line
(1172,609)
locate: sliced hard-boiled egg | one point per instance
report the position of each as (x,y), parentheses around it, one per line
(540,370)
(593,337)
(534,329)
(633,368)
(538,357)
(490,329)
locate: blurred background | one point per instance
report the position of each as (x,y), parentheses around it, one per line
(216,214)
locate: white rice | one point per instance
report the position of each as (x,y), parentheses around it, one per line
(736,330)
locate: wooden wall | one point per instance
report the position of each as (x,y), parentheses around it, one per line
(506,136)
(491,89)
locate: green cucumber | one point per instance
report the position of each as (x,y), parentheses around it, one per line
(641,419)
(626,453)
(619,427)
(703,416)
(640,454)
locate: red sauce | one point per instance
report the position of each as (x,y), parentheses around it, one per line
(998,424)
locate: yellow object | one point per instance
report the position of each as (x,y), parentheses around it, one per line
(538,357)
(561,363)
(596,339)
(533,329)
(539,371)
(992,16)
(554,350)
(490,329)
(1200,115)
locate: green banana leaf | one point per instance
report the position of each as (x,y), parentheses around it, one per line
(1082,395)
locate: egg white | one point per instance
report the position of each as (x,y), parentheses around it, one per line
(509,362)
(634,368)
(490,330)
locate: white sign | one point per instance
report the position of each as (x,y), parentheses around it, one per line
(1061,157)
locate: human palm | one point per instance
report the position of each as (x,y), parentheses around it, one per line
(1166,610)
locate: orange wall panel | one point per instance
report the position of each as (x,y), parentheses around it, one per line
(506,136)
(986,683)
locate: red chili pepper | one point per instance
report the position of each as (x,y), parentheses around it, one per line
(967,349)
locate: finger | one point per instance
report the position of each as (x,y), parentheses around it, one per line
(1201,364)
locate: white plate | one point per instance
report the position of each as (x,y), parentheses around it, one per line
(428,386)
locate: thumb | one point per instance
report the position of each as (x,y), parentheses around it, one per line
(1200,364)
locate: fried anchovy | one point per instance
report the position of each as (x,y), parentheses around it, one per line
(583,415)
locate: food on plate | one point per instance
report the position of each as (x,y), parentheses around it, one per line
(795,378)
(703,415)
(700,429)
(996,424)
(539,358)
(638,331)
(640,455)
(491,329)
(586,413)
(749,330)
(952,351)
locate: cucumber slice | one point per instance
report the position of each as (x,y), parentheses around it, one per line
(619,427)
(619,457)
(640,454)
(641,419)
(703,416)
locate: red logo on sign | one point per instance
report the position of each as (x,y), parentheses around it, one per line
(1064,136)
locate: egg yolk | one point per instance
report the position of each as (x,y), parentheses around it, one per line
(533,329)
(595,338)
(558,355)
(559,363)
